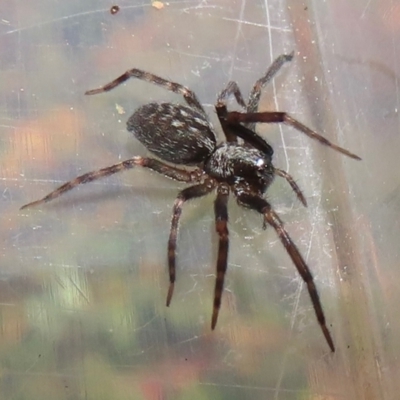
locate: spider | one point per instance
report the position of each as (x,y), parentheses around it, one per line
(182,135)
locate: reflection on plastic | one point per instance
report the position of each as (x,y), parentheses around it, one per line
(83,306)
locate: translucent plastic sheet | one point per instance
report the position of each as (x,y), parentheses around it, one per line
(84,278)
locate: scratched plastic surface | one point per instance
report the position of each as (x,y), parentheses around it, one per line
(84,278)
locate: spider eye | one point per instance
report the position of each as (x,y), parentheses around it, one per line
(260,163)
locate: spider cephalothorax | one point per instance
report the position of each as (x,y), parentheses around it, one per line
(183,135)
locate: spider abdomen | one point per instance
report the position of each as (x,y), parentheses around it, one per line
(175,133)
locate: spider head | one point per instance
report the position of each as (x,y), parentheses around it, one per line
(255,171)
(235,164)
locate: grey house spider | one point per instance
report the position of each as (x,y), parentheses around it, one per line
(182,135)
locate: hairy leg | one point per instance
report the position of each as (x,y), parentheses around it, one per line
(232,88)
(188,95)
(275,67)
(185,195)
(255,94)
(292,183)
(155,165)
(263,207)
(282,117)
(247,130)
(221,221)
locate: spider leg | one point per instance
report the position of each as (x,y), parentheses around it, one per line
(282,117)
(255,94)
(188,95)
(155,165)
(254,98)
(232,88)
(234,130)
(263,207)
(293,184)
(221,220)
(186,194)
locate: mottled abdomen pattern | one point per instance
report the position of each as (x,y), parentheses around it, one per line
(173,132)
